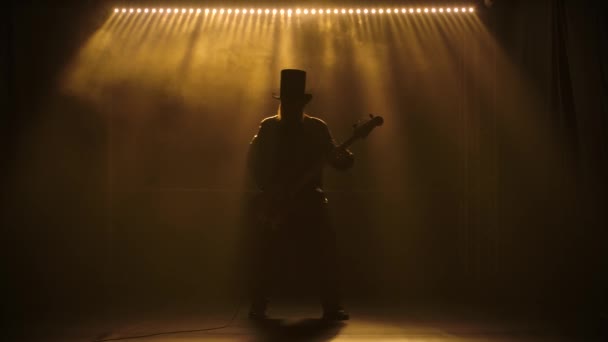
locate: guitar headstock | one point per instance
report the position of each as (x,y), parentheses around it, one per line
(362,130)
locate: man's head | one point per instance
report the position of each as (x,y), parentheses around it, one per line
(292,96)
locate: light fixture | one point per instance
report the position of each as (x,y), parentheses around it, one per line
(299,11)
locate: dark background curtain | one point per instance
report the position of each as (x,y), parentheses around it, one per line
(528,203)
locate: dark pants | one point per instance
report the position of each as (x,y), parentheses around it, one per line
(306,235)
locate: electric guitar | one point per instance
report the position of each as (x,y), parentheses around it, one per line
(271,207)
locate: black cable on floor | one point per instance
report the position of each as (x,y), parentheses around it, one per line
(236,312)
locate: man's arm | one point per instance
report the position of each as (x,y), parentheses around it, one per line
(338,158)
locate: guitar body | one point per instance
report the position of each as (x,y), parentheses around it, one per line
(271,208)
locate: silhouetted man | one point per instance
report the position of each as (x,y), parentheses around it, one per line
(286,160)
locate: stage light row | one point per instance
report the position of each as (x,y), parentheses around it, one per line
(298,11)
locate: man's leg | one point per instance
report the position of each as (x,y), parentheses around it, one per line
(263,266)
(328,271)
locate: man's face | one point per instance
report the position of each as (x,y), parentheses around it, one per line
(291,109)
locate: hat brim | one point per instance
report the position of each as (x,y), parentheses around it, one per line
(306,97)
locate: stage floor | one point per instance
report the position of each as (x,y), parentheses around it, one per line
(300,322)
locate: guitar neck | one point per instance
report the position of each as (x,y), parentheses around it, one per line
(347,143)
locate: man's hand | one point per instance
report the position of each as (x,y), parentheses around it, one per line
(342,153)
(342,158)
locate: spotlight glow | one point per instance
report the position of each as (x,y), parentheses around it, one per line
(229,11)
(191,10)
(289,11)
(116,10)
(168,10)
(358,11)
(441,10)
(418,10)
(426,10)
(449,10)
(161,10)
(365,11)
(267,11)
(343,11)
(456,10)
(251,11)
(433,10)
(139,10)
(471,9)
(336,11)
(214,11)
(298,11)
(350,11)
(373,11)
(221,11)
(282,11)
(321,11)
(154,10)
(411,10)
(198,11)
(381,11)
(183,10)
(259,11)
(463,10)
(131,10)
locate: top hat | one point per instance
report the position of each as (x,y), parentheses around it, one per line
(293,83)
